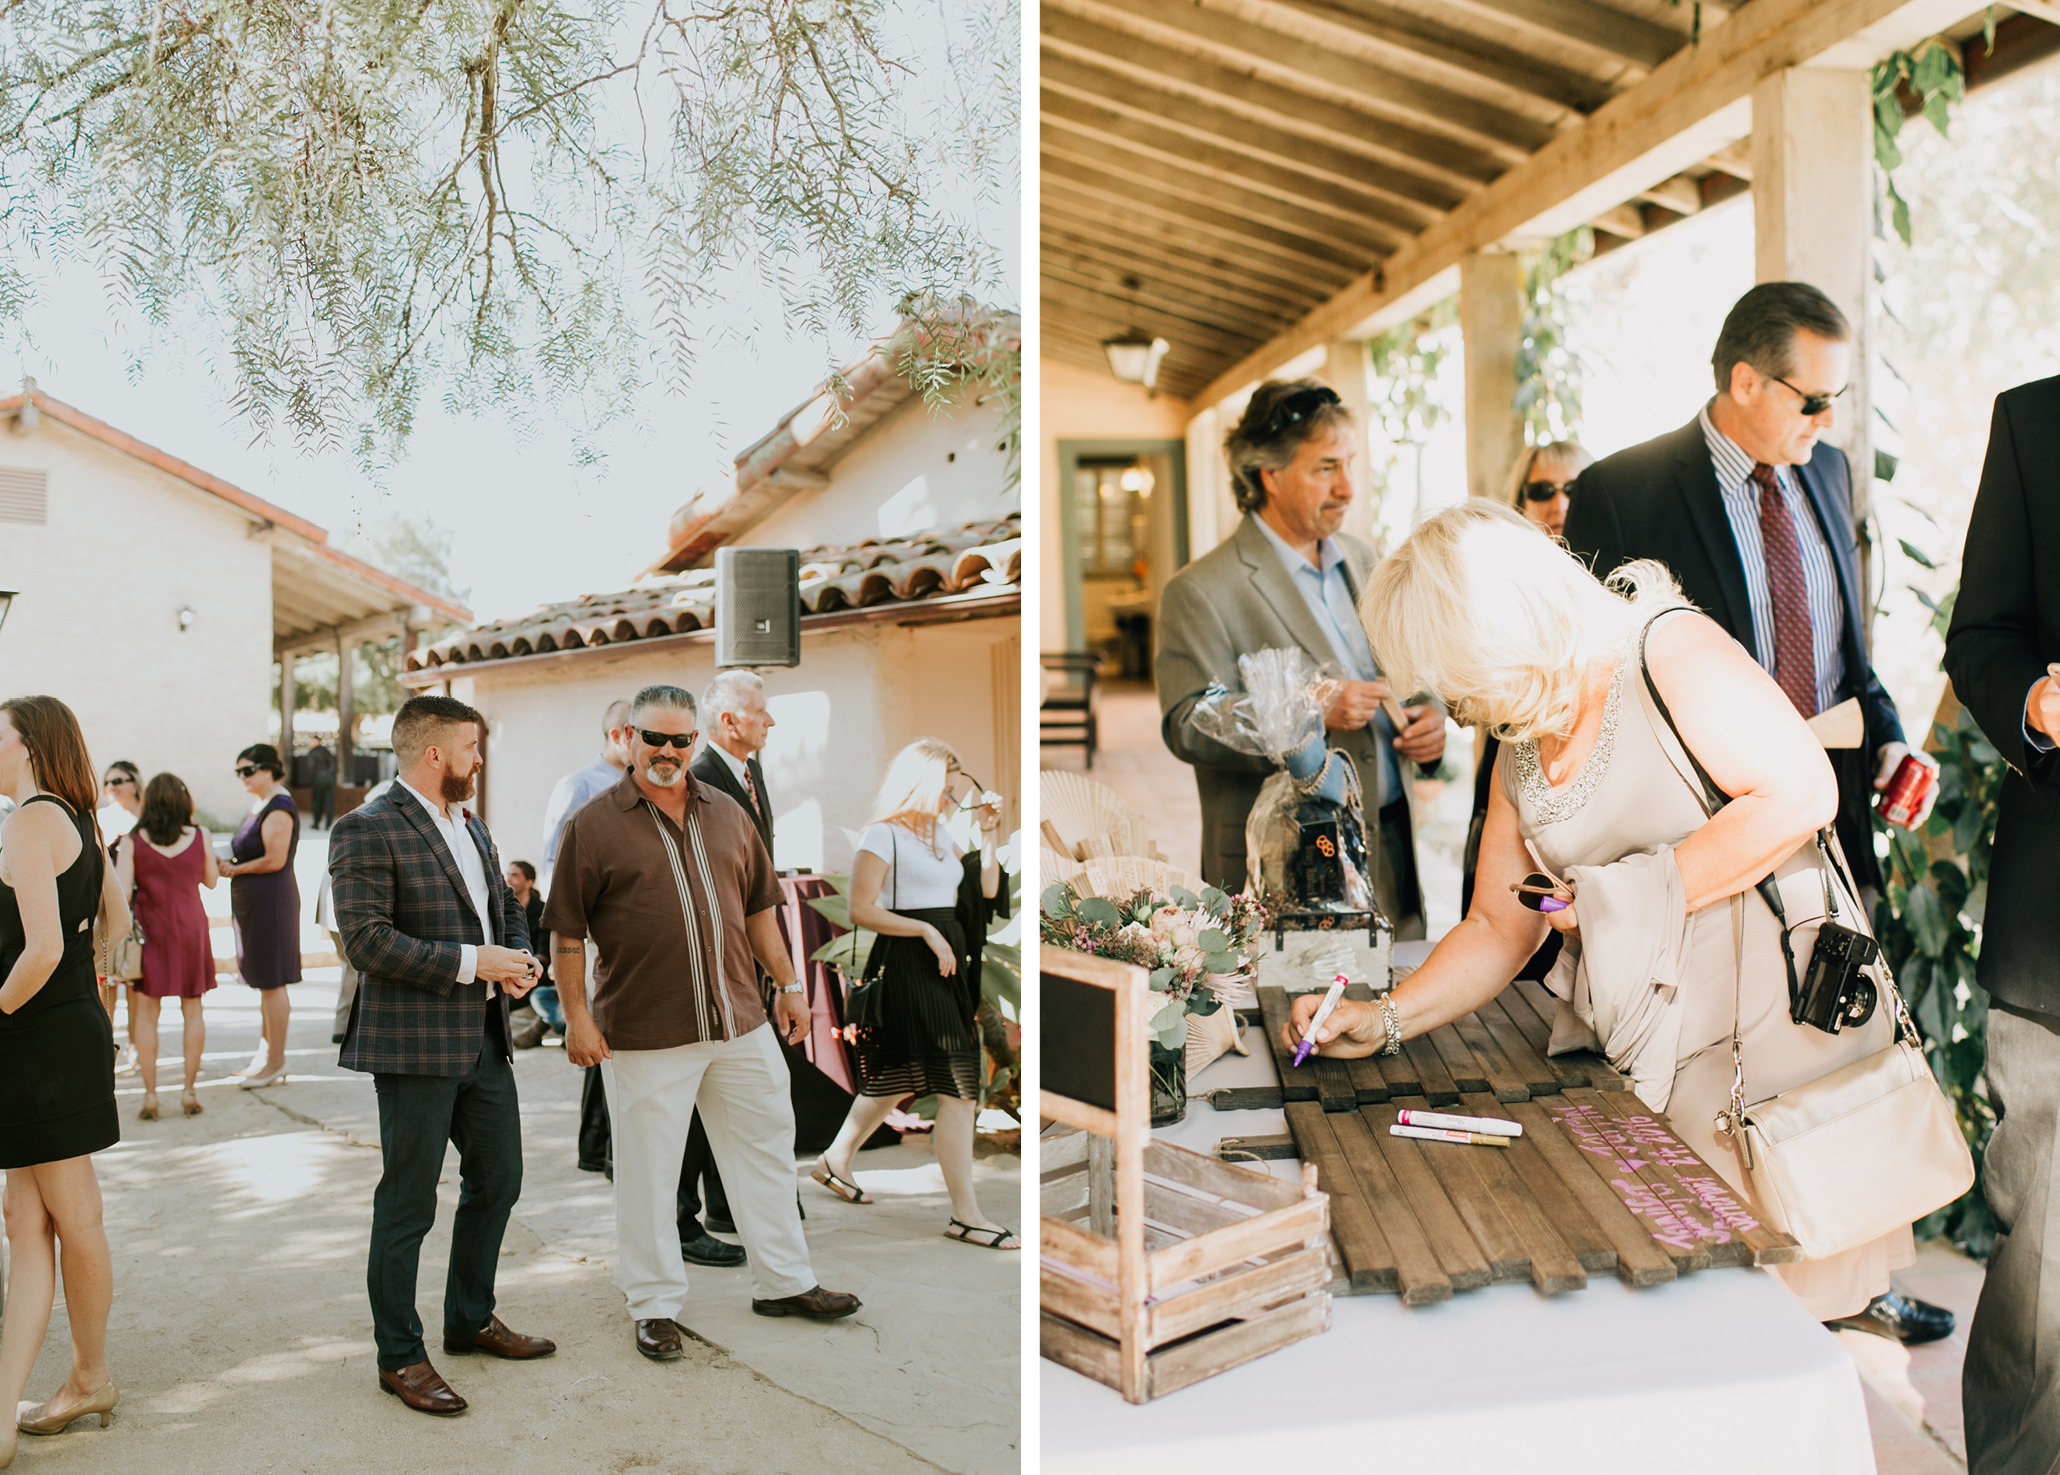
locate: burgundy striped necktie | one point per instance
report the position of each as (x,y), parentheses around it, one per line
(1795,645)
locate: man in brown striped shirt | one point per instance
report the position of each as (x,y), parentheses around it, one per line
(673,883)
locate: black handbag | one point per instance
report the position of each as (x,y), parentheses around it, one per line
(863,1005)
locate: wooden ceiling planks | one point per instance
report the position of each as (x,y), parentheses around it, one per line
(1215,169)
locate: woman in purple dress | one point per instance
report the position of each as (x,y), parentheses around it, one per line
(162,864)
(264,898)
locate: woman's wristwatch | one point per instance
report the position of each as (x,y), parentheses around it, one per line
(794,988)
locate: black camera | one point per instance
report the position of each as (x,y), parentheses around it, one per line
(1834,992)
(1326,857)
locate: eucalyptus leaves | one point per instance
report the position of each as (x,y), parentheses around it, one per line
(1197,948)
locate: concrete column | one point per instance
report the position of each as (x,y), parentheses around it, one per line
(1208,485)
(1491,318)
(345,710)
(1344,370)
(1813,220)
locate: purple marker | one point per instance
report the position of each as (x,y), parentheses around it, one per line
(1330,1002)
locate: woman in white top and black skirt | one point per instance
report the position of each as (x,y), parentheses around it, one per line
(912,1018)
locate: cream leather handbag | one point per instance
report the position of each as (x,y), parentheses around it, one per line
(1860,1152)
(1855,1154)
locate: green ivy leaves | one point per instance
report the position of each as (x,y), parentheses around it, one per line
(1934,76)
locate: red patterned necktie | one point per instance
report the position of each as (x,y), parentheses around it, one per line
(1795,645)
(751,789)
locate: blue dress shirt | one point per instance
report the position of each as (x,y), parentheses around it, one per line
(1328,593)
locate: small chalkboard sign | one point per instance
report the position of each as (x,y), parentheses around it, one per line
(1077,1027)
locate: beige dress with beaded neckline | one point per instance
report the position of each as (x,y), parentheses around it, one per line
(1631,797)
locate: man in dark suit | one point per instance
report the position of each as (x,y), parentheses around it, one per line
(1781,573)
(1287,577)
(440,946)
(2004,633)
(1753,513)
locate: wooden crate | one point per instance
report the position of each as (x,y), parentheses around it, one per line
(1159,1266)
(1236,1263)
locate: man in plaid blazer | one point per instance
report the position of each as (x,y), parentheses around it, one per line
(440,946)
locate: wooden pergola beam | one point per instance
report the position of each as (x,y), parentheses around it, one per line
(1119,189)
(1057,243)
(1181,300)
(1118,311)
(1285,178)
(1263,203)
(1088,206)
(1692,95)
(1349,123)
(1127,230)
(1074,89)
(1468,63)
(1643,43)
(1299,64)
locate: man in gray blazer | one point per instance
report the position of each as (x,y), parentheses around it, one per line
(1288,577)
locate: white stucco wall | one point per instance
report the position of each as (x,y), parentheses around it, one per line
(912,472)
(96,624)
(858,696)
(1078,404)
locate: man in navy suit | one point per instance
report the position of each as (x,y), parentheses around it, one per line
(440,945)
(1753,513)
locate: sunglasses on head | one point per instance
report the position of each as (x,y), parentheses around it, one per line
(1812,404)
(680,740)
(1291,410)
(1545,491)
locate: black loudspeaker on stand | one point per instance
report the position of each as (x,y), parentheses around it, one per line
(757,607)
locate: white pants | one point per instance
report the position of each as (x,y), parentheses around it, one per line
(741,1088)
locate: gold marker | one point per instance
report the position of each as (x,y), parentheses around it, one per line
(1440,1134)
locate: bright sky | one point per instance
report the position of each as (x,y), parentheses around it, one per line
(531,526)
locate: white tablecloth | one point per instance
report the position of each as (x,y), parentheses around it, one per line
(1720,1371)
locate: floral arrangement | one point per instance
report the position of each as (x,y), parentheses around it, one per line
(1199,950)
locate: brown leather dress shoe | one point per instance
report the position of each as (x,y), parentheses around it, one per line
(816,1302)
(422,1387)
(501,1342)
(658,1339)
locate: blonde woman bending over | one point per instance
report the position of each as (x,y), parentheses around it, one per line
(1592,789)
(914,1014)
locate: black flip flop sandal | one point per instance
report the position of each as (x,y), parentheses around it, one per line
(851,1193)
(967,1232)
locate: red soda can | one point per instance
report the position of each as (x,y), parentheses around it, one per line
(1904,798)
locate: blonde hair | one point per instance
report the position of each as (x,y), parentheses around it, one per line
(916,780)
(1476,606)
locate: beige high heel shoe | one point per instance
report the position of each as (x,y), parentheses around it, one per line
(189,1102)
(149,1111)
(46,1422)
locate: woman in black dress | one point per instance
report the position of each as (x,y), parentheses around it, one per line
(56,1059)
(916,1036)
(264,898)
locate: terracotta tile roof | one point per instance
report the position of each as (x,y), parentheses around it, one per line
(917,570)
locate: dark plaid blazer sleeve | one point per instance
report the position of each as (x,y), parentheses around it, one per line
(368,870)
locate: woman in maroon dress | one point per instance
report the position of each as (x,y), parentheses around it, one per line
(162,864)
(265,900)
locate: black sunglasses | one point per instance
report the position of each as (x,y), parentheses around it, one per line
(1812,404)
(1293,409)
(116,781)
(680,740)
(245,771)
(1545,491)
(1533,889)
